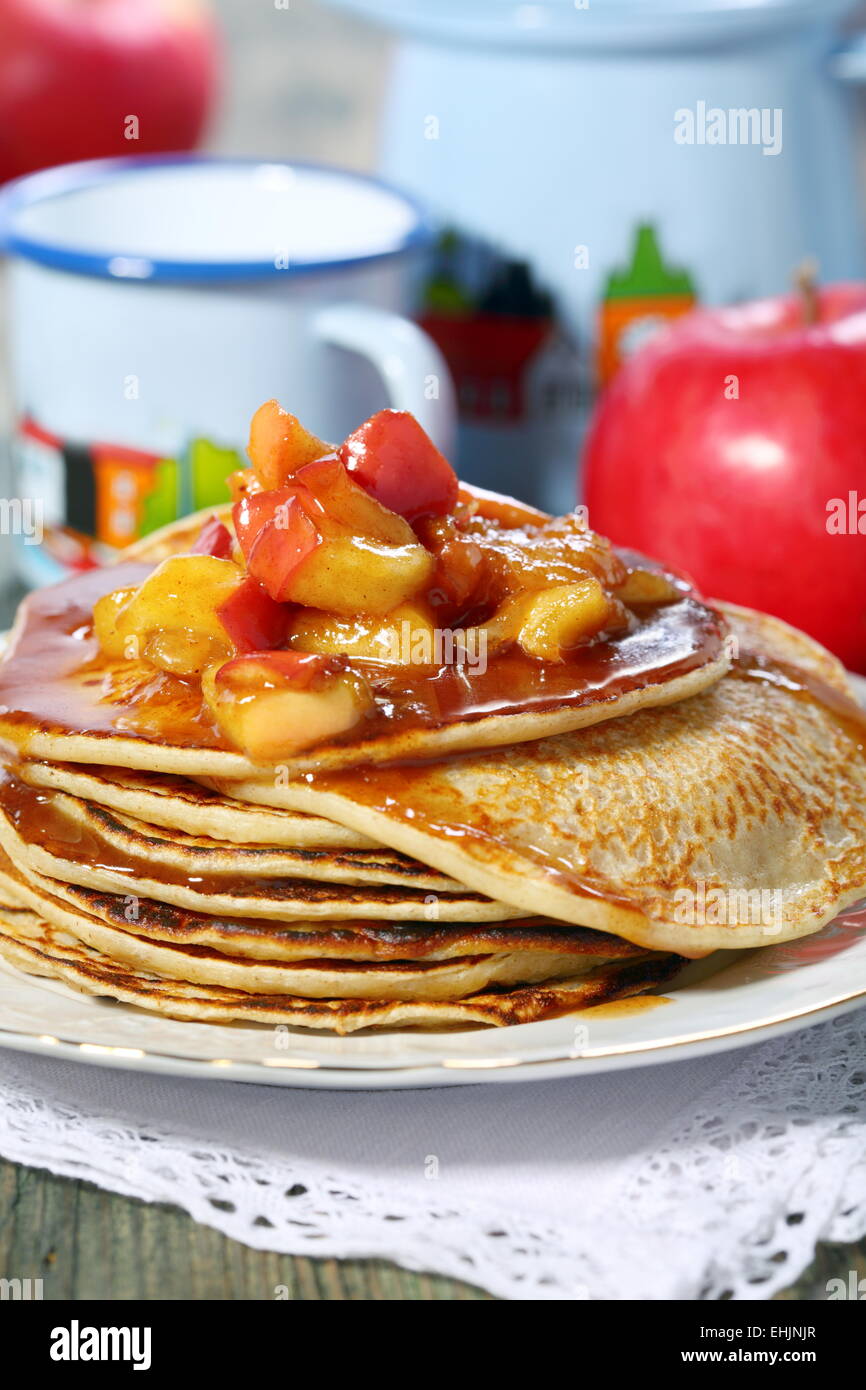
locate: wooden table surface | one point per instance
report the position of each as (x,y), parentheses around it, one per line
(85,1243)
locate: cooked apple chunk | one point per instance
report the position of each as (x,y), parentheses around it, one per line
(557,619)
(113,633)
(193,612)
(647,586)
(347,504)
(395,639)
(350,574)
(280,445)
(301,553)
(275,704)
(171,618)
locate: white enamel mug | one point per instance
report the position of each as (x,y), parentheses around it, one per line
(156,302)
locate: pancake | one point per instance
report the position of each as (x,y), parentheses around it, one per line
(734,819)
(35,947)
(325,978)
(122,844)
(179,804)
(62,699)
(65,905)
(38,841)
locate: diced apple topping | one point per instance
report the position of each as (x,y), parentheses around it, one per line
(242,483)
(396,461)
(347,504)
(555,620)
(495,506)
(276,704)
(647,586)
(253,620)
(111,630)
(277,531)
(194,611)
(214,539)
(349,575)
(300,552)
(394,640)
(280,445)
(371,552)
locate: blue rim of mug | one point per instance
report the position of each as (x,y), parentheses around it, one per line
(121,265)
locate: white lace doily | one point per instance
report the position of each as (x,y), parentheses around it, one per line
(691,1180)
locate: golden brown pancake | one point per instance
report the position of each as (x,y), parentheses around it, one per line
(734,819)
(70,859)
(90,833)
(179,804)
(34,946)
(65,904)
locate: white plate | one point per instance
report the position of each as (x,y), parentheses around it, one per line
(732,999)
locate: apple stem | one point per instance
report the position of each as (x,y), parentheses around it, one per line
(806,281)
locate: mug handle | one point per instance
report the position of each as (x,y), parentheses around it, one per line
(410,364)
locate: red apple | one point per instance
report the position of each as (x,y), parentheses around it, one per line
(253,620)
(395,460)
(731,446)
(214,538)
(73,73)
(277,532)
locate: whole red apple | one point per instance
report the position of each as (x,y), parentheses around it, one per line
(734,446)
(82,79)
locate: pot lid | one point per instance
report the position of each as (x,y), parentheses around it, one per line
(595,23)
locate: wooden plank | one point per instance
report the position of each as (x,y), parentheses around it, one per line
(85,1243)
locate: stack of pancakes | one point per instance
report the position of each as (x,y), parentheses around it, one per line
(159,891)
(504,885)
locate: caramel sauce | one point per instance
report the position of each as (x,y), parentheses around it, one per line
(623,1008)
(805,685)
(665,642)
(400,791)
(40,818)
(56,678)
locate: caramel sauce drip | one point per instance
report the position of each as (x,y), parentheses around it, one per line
(784,675)
(400,792)
(40,818)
